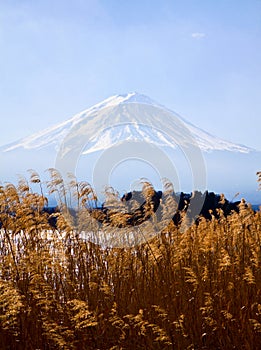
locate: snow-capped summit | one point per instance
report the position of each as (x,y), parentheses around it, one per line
(140,118)
(90,136)
(131,97)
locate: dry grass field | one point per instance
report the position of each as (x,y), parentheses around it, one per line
(198,288)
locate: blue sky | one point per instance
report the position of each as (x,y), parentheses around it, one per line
(201,59)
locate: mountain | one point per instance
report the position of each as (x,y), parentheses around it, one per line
(55,134)
(126,137)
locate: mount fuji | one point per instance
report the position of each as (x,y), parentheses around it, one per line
(55,134)
(131,119)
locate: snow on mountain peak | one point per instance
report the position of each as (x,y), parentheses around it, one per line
(103,110)
(132,97)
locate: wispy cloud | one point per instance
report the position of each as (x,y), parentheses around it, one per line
(198,35)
